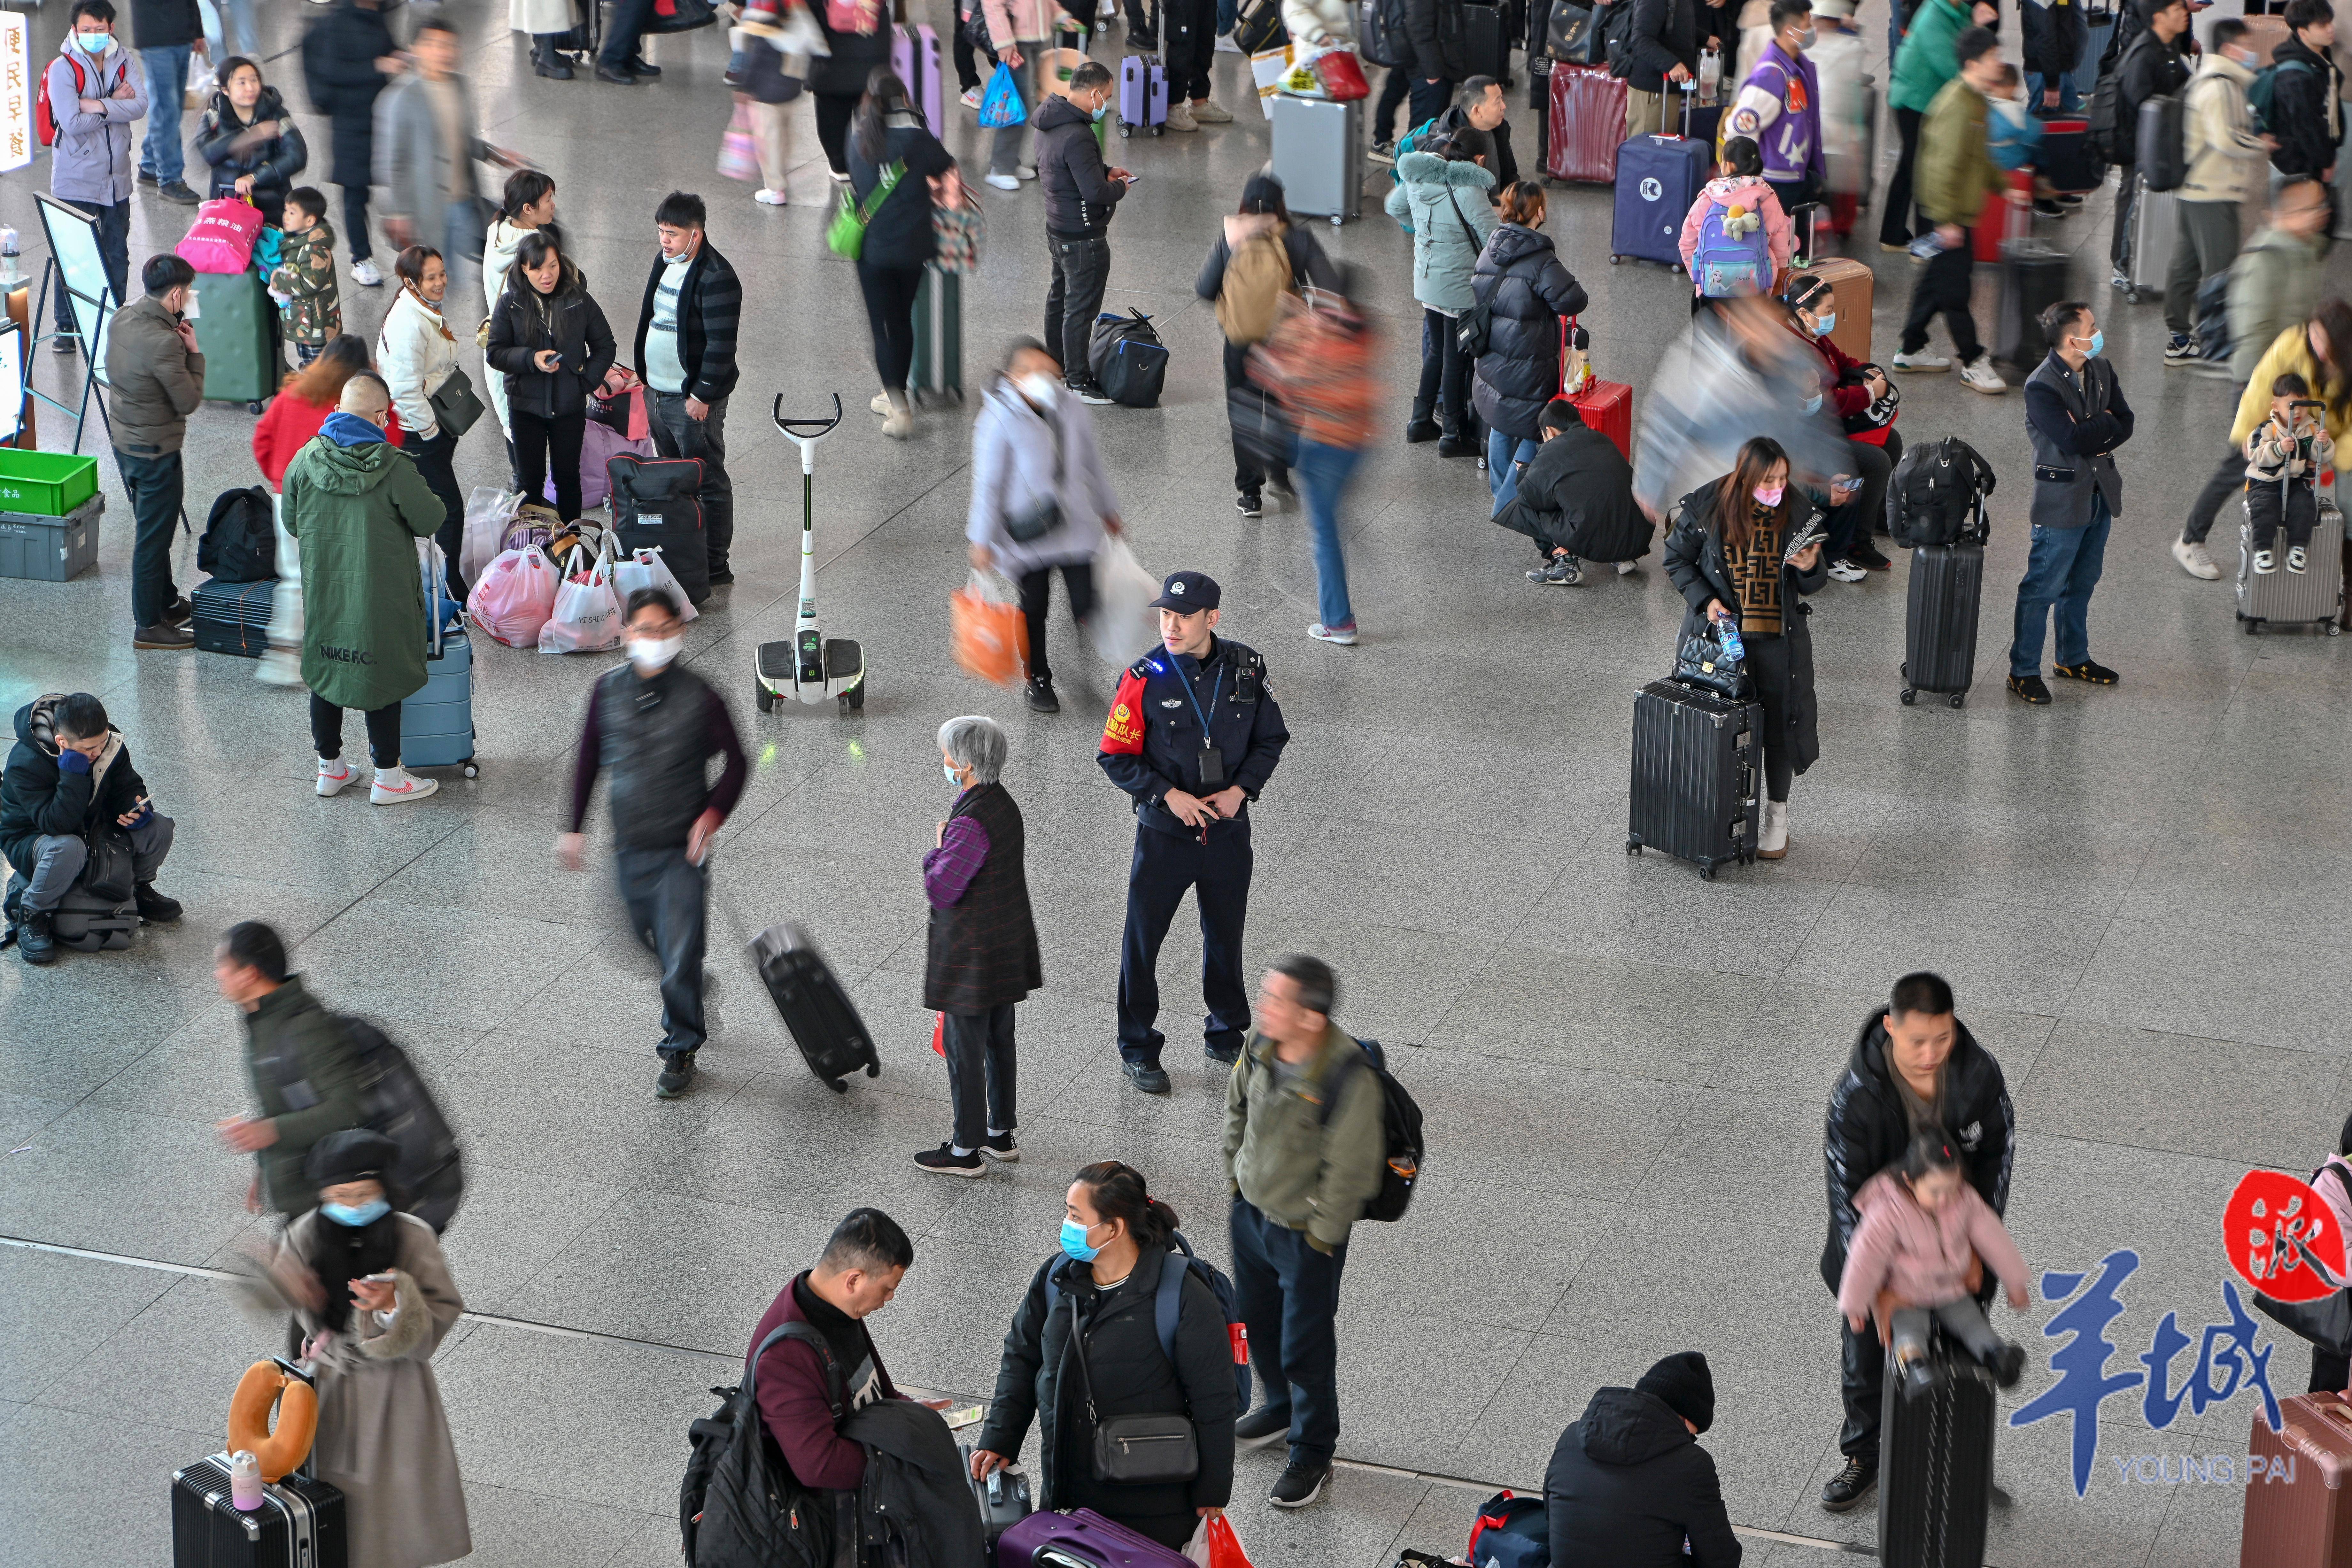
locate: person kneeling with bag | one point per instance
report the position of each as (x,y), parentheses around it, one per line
(68,781)
(1136,1427)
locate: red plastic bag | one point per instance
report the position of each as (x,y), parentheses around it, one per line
(939,1036)
(1342,77)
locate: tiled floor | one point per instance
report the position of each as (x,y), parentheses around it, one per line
(1623,1067)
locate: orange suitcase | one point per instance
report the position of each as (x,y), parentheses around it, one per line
(1851,284)
(2299,1513)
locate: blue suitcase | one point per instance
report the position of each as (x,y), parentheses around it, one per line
(1658,177)
(436,722)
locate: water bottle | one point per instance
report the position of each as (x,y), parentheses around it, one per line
(1727,633)
(244,1481)
(1710,78)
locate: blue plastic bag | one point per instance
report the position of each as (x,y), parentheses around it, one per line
(1000,106)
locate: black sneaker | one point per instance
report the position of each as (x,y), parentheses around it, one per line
(65,343)
(177,612)
(1149,1079)
(1846,1489)
(946,1162)
(676,1072)
(146,176)
(1298,1484)
(2030,688)
(2087,671)
(1382,152)
(2046,207)
(36,937)
(153,906)
(1869,557)
(1248,505)
(1000,1148)
(1087,393)
(1209,1050)
(2011,1366)
(1261,1426)
(1559,572)
(1041,695)
(177,192)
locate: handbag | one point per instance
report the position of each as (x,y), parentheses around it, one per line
(1046,516)
(1572,34)
(958,228)
(846,235)
(1135,1450)
(738,158)
(1475,325)
(1341,77)
(1703,662)
(990,635)
(454,406)
(107,872)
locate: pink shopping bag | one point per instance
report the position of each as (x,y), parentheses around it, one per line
(221,239)
(514,598)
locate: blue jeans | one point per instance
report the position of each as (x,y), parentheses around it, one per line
(1323,476)
(2070,96)
(2060,570)
(167,83)
(664,893)
(1503,453)
(1289,1297)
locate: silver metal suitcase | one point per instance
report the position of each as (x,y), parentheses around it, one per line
(1318,153)
(2312,597)
(2156,224)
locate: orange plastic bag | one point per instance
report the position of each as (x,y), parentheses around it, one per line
(991,638)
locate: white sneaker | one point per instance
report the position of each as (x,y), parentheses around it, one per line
(1209,111)
(1108,11)
(2264,562)
(1004,182)
(1921,360)
(2195,559)
(334,775)
(840,176)
(1625,568)
(1024,171)
(1847,572)
(771,198)
(881,404)
(971,98)
(394,784)
(1979,375)
(1179,117)
(279,667)
(1225,45)
(365,274)
(1344,635)
(1772,833)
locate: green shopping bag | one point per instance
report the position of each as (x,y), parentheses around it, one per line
(846,235)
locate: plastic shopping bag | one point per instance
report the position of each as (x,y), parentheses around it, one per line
(587,617)
(646,569)
(512,598)
(433,578)
(992,639)
(489,510)
(1214,1544)
(1124,625)
(738,158)
(221,239)
(1000,106)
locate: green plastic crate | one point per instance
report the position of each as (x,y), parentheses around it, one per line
(49,484)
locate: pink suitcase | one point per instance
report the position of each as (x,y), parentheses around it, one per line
(1586,121)
(915,58)
(2299,1510)
(1084,1537)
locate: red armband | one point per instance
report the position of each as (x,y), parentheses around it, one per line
(1123,731)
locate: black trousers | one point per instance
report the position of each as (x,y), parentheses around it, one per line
(1873,466)
(155,482)
(1188,41)
(1081,273)
(355,222)
(2297,511)
(1444,375)
(890,314)
(967,67)
(1862,1375)
(2329,1373)
(624,34)
(436,459)
(1218,873)
(382,731)
(1768,662)
(980,1073)
(1428,99)
(1249,474)
(834,113)
(1897,222)
(1942,289)
(2227,481)
(539,441)
(1036,592)
(1393,89)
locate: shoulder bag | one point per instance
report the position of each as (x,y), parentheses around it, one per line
(1134,1450)
(1475,325)
(455,405)
(846,235)
(1046,515)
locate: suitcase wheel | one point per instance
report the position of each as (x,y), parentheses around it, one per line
(1615,260)
(1125,131)
(1909,697)
(1959,699)
(253,408)
(1706,871)
(1633,843)
(473,770)
(2252,625)
(765,697)
(835,1085)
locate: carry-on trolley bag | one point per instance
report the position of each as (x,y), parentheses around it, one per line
(1318,155)
(1142,95)
(301,1524)
(2312,597)
(822,1020)
(1697,775)
(1584,122)
(237,331)
(1081,1539)
(1941,613)
(2155,227)
(1658,178)
(915,58)
(1852,288)
(937,373)
(2299,1509)
(232,617)
(1935,1466)
(436,722)
(1486,29)
(657,505)
(2033,279)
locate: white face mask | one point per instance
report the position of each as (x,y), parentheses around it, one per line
(1039,388)
(99,45)
(189,307)
(654,653)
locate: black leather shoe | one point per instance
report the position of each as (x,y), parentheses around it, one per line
(177,612)
(162,637)
(720,577)
(1419,430)
(1149,1079)
(2093,674)
(1214,1055)
(549,64)
(2030,688)
(1846,1489)
(650,72)
(619,79)
(153,906)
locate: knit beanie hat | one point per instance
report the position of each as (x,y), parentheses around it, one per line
(1681,1383)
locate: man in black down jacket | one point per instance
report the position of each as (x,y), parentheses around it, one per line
(2053,48)
(692,308)
(1916,1065)
(1441,57)
(2152,66)
(1482,106)
(347,55)
(2307,104)
(1576,501)
(1664,53)
(1629,1485)
(68,776)
(1081,194)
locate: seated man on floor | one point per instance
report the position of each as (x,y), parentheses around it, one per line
(68,779)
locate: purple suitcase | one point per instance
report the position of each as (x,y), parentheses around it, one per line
(1142,95)
(1081,1539)
(915,58)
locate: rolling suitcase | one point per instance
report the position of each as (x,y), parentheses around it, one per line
(1658,178)
(657,505)
(1940,628)
(299,1525)
(237,331)
(816,1009)
(1081,1539)
(2156,224)
(915,58)
(2159,143)
(937,369)
(1584,122)
(436,721)
(2033,279)
(1142,95)
(232,617)
(1487,32)
(2299,1511)
(1935,1467)
(2310,598)
(1318,155)
(1999,220)
(1605,405)
(1698,776)
(1852,288)
(1003,1499)
(2065,157)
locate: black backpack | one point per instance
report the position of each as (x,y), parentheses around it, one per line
(1617,38)
(1401,1121)
(240,538)
(1383,38)
(1936,494)
(394,1101)
(740,1505)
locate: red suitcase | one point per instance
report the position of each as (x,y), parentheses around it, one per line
(1999,221)
(1608,407)
(1584,124)
(2299,1511)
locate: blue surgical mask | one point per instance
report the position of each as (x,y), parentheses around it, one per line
(1824,325)
(98,44)
(952,780)
(2098,344)
(1813,404)
(1073,1242)
(1102,108)
(356,1217)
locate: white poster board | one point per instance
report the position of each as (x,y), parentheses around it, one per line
(12,380)
(73,241)
(17,80)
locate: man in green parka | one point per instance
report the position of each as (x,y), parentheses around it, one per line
(359,505)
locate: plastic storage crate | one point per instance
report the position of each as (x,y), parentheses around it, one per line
(49,549)
(46,484)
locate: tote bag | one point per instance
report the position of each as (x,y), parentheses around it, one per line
(587,617)
(992,639)
(511,602)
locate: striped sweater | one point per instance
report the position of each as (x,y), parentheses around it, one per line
(710,310)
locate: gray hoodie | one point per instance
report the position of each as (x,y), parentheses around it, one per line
(92,160)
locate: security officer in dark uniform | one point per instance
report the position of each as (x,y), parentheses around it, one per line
(1193,735)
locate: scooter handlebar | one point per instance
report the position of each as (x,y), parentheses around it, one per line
(811,430)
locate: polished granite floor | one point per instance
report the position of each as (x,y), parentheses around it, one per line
(1623,1067)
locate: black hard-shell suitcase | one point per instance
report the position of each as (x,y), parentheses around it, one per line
(1698,776)
(2033,279)
(300,1522)
(1935,1467)
(817,1010)
(657,505)
(1487,30)
(1939,631)
(232,617)
(937,373)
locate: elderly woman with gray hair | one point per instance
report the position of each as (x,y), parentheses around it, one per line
(982,954)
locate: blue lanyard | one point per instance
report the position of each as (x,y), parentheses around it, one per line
(1215,692)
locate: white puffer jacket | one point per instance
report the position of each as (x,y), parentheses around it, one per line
(416,353)
(1321,24)
(498,255)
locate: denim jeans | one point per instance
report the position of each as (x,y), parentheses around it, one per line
(2060,573)
(677,434)
(1323,476)
(1081,273)
(161,155)
(58,859)
(2070,96)
(1289,1297)
(664,893)
(979,1048)
(1503,454)
(155,482)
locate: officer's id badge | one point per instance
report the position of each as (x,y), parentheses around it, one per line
(1123,731)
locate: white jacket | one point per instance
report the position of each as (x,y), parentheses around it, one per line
(1015,472)
(537,16)
(416,355)
(2226,161)
(1325,24)
(498,255)
(1841,63)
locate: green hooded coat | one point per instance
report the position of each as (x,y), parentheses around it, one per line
(357,512)
(1928,58)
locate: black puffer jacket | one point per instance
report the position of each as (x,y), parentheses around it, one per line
(1440,41)
(1081,194)
(1868,1128)
(2053,36)
(1667,34)
(273,164)
(1695,563)
(339,56)
(38,799)
(1578,494)
(1519,275)
(1039,1379)
(2151,68)
(1629,1484)
(2299,116)
(568,321)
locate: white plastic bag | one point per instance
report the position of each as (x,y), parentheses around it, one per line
(1197,1549)
(587,617)
(489,510)
(1125,625)
(646,569)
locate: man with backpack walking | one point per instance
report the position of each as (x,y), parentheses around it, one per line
(2151,67)
(1306,1150)
(2305,109)
(305,1068)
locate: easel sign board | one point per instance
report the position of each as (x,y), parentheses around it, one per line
(73,244)
(11,381)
